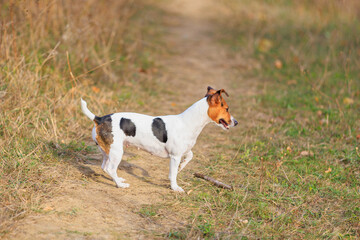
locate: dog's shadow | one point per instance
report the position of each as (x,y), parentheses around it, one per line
(130,168)
(83,163)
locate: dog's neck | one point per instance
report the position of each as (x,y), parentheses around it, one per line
(196,116)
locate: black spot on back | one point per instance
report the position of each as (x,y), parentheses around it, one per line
(128,127)
(159,130)
(103,119)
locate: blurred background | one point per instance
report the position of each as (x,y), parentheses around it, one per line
(292,69)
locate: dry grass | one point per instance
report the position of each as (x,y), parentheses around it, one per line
(51,54)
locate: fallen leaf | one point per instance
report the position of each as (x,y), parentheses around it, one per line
(142,70)
(306,153)
(319,113)
(292,82)
(95,89)
(265,45)
(348,101)
(289,149)
(316,99)
(358,137)
(329,170)
(278,64)
(173,104)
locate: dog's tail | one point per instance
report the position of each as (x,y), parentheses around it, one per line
(86,111)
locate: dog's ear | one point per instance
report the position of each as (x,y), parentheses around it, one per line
(215,98)
(222,91)
(210,91)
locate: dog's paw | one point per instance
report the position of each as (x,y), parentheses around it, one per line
(123,185)
(177,189)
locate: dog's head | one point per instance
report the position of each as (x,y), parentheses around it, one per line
(218,109)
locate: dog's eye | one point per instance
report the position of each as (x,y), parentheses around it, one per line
(227,109)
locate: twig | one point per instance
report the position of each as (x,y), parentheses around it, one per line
(214,181)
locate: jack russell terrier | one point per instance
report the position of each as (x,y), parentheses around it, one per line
(170,136)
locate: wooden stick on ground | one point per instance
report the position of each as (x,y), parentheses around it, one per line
(214,181)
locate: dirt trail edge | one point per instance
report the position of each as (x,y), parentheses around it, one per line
(95,208)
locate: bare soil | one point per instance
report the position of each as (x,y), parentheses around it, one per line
(91,207)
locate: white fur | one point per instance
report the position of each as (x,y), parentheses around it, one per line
(182,132)
(86,110)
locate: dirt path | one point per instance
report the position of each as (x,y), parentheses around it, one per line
(95,208)
(196,61)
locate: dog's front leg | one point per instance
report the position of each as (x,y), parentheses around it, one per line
(174,165)
(188,157)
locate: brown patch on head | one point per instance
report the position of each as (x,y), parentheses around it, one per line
(218,109)
(104,136)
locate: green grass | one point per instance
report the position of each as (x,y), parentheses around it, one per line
(148,211)
(76,232)
(306,196)
(279,192)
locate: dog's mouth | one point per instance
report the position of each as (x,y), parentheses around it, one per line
(223,122)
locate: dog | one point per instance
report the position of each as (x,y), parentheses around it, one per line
(171,136)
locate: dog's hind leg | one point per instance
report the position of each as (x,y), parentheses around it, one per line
(105,159)
(105,156)
(112,164)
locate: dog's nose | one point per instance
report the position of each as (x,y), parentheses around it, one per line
(235,122)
